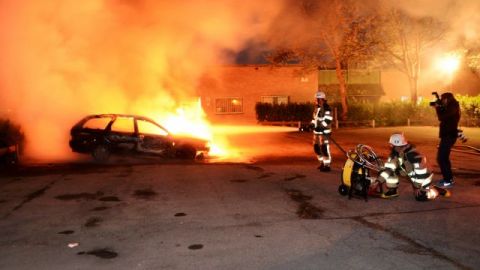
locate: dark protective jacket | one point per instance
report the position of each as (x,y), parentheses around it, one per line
(449,116)
(411,162)
(322,119)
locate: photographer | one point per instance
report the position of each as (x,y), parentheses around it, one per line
(448,113)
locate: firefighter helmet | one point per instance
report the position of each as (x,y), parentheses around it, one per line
(320,94)
(397,139)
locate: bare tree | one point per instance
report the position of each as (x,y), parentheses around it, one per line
(403,41)
(333,33)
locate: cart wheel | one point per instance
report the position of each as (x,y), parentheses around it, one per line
(343,190)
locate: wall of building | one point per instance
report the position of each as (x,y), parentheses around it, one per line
(248,84)
(362,85)
(395,85)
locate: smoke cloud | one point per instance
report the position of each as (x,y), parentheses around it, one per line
(301,21)
(461,17)
(461,21)
(63,59)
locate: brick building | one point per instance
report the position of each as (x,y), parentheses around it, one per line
(229,93)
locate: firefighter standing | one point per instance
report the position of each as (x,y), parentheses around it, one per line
(405,160)
(322,119)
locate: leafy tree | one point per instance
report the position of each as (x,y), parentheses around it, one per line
(403,40)
(331,34)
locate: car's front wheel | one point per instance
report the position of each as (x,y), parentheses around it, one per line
(101,153)
(186,152)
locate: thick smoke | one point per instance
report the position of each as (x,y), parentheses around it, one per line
(302,21)
(461,18)
(63,59)
(461,21)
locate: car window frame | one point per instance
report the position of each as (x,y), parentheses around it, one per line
(137,131)
(109,127)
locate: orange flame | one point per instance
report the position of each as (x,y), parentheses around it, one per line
(189,119)
(130,57)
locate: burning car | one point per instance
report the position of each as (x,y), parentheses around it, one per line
(104,134)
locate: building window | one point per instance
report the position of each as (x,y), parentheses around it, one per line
(275,99)
(231,105)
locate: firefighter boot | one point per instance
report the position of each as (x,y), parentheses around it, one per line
(391,193)
(324,168)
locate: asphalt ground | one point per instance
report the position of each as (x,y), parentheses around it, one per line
(267,208)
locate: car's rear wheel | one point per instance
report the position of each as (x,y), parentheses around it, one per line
(101,153)
(186,152)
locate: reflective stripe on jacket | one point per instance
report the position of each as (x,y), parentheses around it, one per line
(414,165)
(322,119)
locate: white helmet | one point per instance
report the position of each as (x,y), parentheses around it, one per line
(320,94)
(397,139)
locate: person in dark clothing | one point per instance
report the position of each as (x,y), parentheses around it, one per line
(448,113)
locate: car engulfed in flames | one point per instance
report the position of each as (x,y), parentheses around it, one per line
(103,135)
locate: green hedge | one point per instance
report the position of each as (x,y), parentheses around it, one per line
(394,113)
(470,109)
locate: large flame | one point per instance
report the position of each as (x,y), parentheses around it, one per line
(64,59)
(190,119)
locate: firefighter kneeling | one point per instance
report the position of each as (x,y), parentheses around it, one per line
(405,160)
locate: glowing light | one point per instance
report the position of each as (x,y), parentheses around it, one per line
(449,63)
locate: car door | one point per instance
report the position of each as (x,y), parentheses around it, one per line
(90,132)
(122,136)
(152,138)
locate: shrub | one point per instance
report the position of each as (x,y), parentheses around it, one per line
(470,109)
(385,113)
(11,133)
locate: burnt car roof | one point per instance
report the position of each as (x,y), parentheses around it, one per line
(115,115)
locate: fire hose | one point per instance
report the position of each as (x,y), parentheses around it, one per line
(336,144)
(365,159)
(469,149)
(362,155)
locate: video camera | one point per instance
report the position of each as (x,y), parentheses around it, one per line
(437,101)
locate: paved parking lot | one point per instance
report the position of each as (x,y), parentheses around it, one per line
(274,210)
